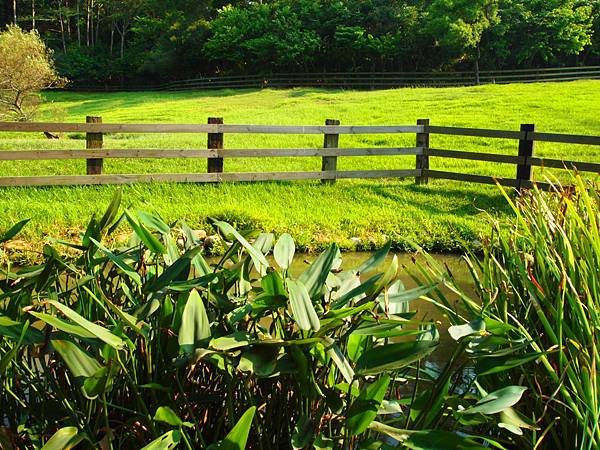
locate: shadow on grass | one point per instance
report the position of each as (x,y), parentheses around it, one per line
(96,103)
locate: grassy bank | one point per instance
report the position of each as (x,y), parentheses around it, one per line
(438,216)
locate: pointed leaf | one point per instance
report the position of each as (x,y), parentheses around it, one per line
(497,401)
(195,327)
(364,409)
(302,307)
(98,331)
(284,251)
(316,274)
(393,356)
(64,439)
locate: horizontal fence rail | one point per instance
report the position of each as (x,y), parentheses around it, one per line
(366,80)
(524,159)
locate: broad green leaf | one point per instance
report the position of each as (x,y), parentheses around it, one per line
(237,438)
(428,439)
(167,441)
(264,242)
(99,332)
(393,356)
(178,271)
(259,260)
(338,358)
(153,222)
(375,261)
(441,440)
(388,276)
(118,261)
(284,251)
(476,326)
(145,235)
(81,365)
(303,432)
(195,327)
(167,415)
(302,307)
(513,421)
(390,407)
(316,274)
(231,341)
(98,383)
(322,442)
(7,358)
(357,292)
(13,330)
(398,300)
(13,231)
(497,401)
(364,409)
(64,439)
(272,284)
(63,325)
(494,364)
(356,346)
(111,212)
(260,360)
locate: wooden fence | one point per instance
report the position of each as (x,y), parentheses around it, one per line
(524,159)
(366,80)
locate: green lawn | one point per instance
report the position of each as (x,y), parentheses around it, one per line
(438,216)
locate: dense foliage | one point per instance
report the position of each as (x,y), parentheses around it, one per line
(149,344)
(27,68)
(542,278)
(143,41)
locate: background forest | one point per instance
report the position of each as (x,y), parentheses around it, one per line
(133,42)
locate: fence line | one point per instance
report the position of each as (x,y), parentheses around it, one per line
(94,154)
(367,80)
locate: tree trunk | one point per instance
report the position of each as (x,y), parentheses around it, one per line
(15,12)
(477,56)
(112,36)
(87,23)
(123,42)
(77,23)
(33,14)
(62,26)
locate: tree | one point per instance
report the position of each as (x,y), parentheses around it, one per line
(27,68)
(533,33)
(457,26)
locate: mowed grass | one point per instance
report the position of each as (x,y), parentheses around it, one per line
(441,216)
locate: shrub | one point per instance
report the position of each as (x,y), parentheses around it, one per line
(26,69)
(149,344)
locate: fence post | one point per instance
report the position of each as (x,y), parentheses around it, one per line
(331,141)
(94,141)
(215,141)
(423,159)
(526,149)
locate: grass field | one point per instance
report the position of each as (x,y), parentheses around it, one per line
(439,216)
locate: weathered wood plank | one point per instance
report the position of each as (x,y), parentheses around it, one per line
(200,177)
(24,155)
(565,138)
(422,160)
(476,132)
(564,164)
(329,163)
(473,156)
(481,179)
(215,142)
(203,128)
(94,141)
